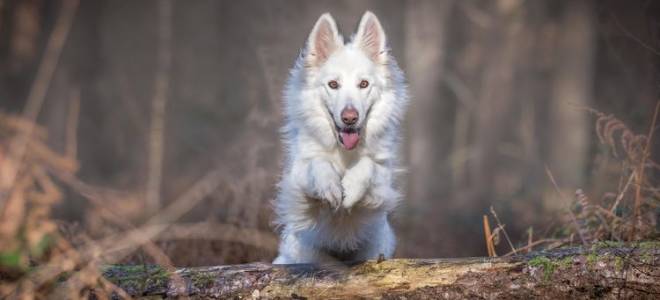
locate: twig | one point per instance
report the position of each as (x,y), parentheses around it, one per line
(101,203)
(640,171)
(489,238)
(195,194)
(607,212)
(38,92)
(606,225)
(127,241)
(530,238)
(633,37)
(577,226)
(623,192)
(499,224)
(72,125)
(203,230)
(534,244)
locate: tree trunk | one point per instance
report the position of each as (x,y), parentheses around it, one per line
(425,24)
(606,270)
(568,137)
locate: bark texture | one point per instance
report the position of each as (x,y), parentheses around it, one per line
(605,270)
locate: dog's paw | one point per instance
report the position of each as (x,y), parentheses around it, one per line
(372,202)
(330,191)
(322,182)
(381,196)
(326,185)
(354,190)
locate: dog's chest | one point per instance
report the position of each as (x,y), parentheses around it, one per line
(344,160)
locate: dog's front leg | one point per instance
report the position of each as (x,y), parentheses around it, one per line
(323,182)
(370,184)
(357,181)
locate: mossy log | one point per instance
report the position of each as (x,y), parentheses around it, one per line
(602,271)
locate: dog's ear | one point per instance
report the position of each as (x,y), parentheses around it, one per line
(370,37)
(323,41)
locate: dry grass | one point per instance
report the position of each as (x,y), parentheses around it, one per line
(35,255)
(627,214)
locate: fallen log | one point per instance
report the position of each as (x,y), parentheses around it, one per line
(605,270)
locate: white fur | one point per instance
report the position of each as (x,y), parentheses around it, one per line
(332,200)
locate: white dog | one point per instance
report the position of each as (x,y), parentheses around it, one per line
(343,106)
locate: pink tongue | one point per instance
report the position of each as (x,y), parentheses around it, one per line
(350,139)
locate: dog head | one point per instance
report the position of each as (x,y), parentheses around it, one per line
(347,77)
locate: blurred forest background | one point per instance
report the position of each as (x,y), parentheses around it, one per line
(178,103)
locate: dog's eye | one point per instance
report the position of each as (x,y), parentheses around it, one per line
(364,84)
(333,84)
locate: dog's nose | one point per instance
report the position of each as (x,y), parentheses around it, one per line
(349,115)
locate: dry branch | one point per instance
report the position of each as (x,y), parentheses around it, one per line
(606,270)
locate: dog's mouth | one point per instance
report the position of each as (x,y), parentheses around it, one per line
(349,137)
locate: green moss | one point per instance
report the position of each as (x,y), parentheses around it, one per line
(592,258)
(138,277)
(649,245)
(547,264)
(159,278)
(12,259)
(618,263)
(606,244)
(64,276)
(565,262)
(646,258)
(375,267)
(202,279)
(551,265)
(130,270)
(42,246)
